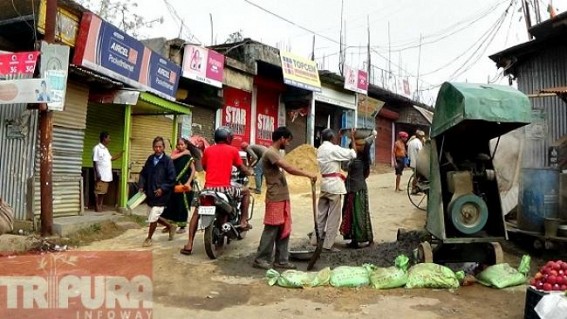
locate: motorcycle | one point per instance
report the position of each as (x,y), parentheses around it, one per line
(220,215)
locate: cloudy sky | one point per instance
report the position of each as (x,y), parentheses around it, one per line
(456,35)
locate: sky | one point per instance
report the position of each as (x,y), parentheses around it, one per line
(456,36)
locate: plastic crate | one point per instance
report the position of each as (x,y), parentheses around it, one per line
(533,296)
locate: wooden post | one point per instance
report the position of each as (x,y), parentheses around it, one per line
(46,137)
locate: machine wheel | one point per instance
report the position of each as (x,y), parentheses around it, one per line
(213,240)
(469,213)
(498,253)
(424,253)
(418,200)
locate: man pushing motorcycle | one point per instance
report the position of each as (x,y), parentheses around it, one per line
(217,162)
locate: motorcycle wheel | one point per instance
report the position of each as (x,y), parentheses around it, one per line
(213,241)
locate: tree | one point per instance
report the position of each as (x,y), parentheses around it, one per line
(121,14)
(235,37)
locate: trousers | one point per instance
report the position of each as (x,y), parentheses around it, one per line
(328,218)
(271,238)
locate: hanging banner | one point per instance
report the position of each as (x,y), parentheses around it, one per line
(267,116)
(108,50)
(203,65)
(236,114)
(18,63)
(26,91)
(356,80)
(300,72)
(54,68)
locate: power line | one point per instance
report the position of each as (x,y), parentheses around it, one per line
(290,22)
(183,28)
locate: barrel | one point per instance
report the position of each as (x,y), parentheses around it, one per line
(538,198)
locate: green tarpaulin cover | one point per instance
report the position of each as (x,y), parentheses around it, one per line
(458,102)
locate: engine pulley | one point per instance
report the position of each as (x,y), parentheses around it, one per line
(469,213)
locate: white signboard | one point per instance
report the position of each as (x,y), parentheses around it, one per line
(54,68)
(27,91)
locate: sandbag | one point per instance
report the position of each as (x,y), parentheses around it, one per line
(348,276)
(299,279)
(6,218)
(391,277)
(503,275)
(430,275)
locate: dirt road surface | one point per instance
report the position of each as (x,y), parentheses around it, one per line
(196,287)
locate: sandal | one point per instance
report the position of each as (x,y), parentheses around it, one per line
(147,243)
(185,251)
(245,228)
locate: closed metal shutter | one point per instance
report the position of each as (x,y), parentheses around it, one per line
(75,112)
(104,117)
(144,129)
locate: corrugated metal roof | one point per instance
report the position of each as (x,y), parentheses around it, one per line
(428,115)
(556,90)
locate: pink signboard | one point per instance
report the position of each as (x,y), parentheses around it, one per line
(356,80)
(203,65)
(18,63)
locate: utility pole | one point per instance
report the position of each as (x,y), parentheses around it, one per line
(341,57)
(369,65)
(526,10)
(46,136)
(418,64)
(313,49)
(389,51)
(537,12)
(211,18)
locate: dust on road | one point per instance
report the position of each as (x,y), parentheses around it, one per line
(196,287)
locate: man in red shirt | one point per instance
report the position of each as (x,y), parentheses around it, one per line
(217,162)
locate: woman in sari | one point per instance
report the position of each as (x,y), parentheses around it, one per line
(179,204)
(356,225)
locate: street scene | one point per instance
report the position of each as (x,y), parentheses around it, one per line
(256,158)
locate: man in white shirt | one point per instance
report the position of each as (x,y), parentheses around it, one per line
(102,164)
(330,156)
(415,144)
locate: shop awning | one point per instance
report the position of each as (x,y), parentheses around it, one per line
(143,103)
(150,104)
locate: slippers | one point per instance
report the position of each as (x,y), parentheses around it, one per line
(246,228)
(184,251)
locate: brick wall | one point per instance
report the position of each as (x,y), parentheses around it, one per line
(204,122)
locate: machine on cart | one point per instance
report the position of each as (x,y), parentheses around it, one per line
(464,212)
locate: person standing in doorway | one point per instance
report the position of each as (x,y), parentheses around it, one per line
(102,164)
(330,155)
(255,153)
(156,181)
(277,216)
(400,154)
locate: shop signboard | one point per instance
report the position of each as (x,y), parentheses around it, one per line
(27,91)
(67,24)
(203,65)
(356,80)
(236,113)
(267,116)
(18,63)
(108,50)
(300,72)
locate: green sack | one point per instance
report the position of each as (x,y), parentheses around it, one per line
(299,279)
(503,275)
(348,276)
(429,275)
(391,277)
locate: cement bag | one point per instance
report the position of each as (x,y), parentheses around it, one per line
(348,276)
(391,277)
(6,218)
(430,275)
(299,279)
(503,275)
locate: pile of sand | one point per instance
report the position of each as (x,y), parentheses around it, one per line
(304,157)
